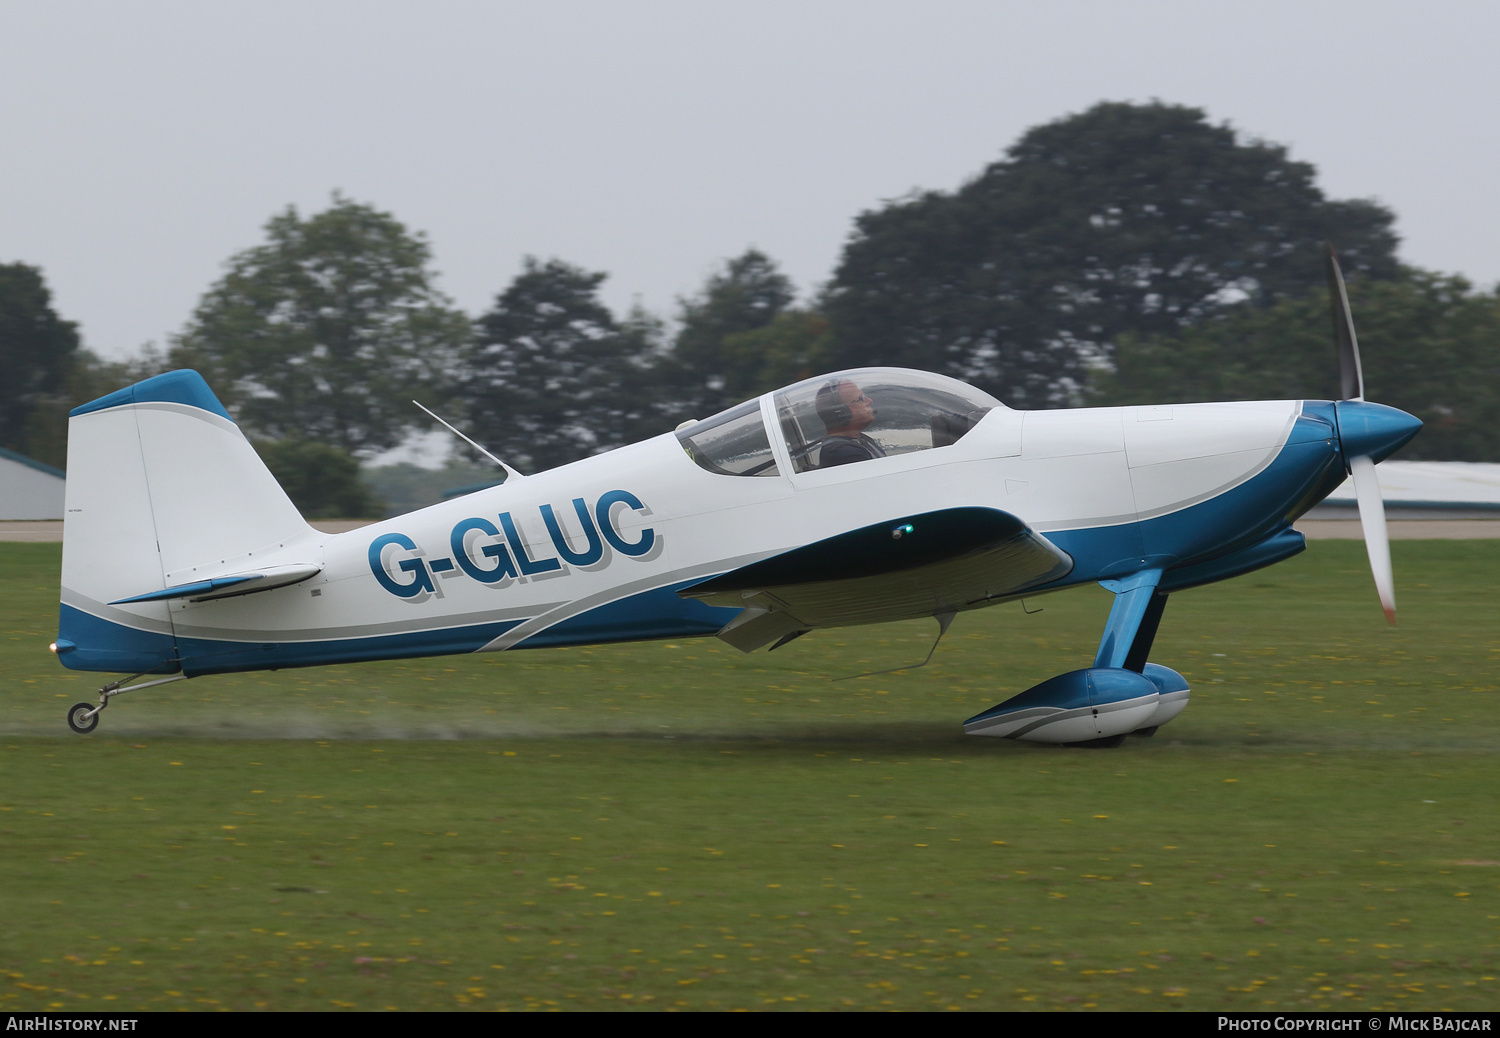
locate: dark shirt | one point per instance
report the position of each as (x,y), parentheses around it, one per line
(844,450)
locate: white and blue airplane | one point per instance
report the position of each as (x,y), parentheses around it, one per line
(859,497)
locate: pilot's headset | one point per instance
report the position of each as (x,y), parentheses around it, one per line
(831,407)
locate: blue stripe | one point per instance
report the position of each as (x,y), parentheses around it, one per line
(1305,471)
(107,646)
(211,656)
(175,387)
(658,613)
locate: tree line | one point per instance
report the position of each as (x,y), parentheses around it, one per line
(1129,253)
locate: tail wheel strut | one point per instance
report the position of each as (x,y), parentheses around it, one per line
(83,718)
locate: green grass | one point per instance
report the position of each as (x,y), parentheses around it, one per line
(674,825)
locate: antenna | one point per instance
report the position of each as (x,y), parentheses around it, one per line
(510,473)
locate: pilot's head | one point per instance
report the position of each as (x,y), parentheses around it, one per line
(844,408)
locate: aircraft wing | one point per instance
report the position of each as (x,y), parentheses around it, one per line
(911,566)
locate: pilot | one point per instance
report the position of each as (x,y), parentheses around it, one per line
(846,411)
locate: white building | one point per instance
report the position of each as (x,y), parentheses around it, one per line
(29,489)
(1426,490)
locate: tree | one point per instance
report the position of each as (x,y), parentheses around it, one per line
(87,377)
(552,377)
(38,351)
(1427,345)
(405,487)
(323,481)
(747,295)
(327,330)
(797,344)
(1126,218)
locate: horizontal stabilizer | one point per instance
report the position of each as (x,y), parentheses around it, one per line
(230,585)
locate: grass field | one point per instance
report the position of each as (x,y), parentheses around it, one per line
(674,825)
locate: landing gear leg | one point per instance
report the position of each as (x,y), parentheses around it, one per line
(83,718)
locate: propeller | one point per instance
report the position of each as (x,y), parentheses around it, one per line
(1361,465)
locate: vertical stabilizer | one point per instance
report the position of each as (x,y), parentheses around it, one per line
(162,488)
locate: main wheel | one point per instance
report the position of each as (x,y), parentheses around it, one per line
(1109,742)
(80,720)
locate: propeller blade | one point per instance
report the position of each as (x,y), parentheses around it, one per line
(1377,541)
(1351,376)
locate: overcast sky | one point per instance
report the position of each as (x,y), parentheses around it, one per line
(143,143)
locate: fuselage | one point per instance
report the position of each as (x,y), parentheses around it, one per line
(595,551)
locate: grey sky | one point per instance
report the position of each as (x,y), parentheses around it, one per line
(142,144)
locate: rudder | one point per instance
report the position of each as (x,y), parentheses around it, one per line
(162,488)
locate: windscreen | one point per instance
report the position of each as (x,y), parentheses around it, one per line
(731,443)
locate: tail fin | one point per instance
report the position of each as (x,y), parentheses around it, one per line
(162,488)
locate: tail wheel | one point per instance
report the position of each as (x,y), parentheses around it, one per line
(82,718)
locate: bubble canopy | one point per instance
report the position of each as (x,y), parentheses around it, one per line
(862,414)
